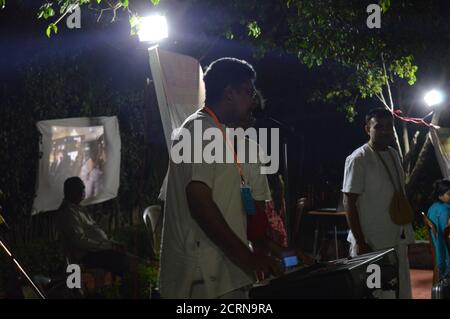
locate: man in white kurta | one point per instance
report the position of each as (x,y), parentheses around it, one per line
(188,255)
(368,192)
(204,251)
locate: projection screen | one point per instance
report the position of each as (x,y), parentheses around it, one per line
(85,147)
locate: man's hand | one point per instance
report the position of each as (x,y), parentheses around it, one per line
(261,265)
(305,259)
(350,200)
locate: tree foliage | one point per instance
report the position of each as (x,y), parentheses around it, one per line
(320,33)
(317,31)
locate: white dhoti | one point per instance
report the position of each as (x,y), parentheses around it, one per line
(403,269)
(403,272)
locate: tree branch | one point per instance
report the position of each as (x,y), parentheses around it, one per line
(382,100)
(66,12)
(387,83)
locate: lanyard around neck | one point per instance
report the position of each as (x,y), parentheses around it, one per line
(230,146)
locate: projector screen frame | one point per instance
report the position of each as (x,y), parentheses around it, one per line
(48,195)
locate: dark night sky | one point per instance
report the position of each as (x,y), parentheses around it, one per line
(322,134)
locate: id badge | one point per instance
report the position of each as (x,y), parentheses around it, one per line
(247,200)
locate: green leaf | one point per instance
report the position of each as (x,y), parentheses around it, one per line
(385,5)
(134,24)
(46,11)
(2,4)
(50,13)
(253,29)
(51,27)
(155,2)
(63,8)
(125,3)
(48,31)
(134,20)
(229,35)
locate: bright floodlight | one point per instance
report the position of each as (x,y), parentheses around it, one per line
(433,97)
(152,28)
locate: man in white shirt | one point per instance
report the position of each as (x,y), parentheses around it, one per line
(204,251)
(368,191)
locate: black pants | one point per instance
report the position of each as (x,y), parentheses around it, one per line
(110,260)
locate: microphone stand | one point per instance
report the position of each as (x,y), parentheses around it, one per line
(17,264)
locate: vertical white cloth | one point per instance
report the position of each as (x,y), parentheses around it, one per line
(180,91)
(441,142)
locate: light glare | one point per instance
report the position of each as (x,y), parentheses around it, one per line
(433,97)
(152,28)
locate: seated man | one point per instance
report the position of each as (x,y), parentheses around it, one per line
(84,240)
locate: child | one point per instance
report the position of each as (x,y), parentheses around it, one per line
(439,214)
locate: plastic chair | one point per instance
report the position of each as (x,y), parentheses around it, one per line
(153,222)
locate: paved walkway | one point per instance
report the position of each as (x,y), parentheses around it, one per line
(421,282)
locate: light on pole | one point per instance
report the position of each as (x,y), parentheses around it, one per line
(433,98)
(152,29)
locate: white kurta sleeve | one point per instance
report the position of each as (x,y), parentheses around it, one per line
(353,175)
